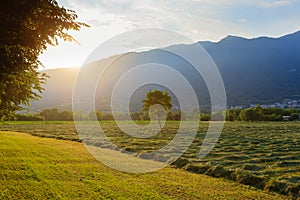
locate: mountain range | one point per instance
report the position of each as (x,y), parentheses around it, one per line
(255,71)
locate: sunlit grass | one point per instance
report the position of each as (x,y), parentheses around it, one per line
(40,168)
(264,151)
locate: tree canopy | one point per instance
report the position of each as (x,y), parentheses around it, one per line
(157,104)
(27,27)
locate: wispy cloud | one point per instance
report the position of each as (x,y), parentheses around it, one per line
(276,3)
(197,19)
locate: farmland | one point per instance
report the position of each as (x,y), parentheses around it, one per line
(45,168)
(265,155)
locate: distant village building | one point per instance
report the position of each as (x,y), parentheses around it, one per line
(293,104)
(286,118)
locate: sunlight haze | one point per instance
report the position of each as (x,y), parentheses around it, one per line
(199,20)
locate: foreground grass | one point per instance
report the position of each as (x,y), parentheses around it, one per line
(261,154)
(40,168)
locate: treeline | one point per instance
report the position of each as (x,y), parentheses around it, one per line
(249,114)
(47,115)
(66,115)
(262,114)
(176,116)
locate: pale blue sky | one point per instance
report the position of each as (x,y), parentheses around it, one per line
(198,19)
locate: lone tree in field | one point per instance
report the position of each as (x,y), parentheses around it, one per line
(157,104)
(27,28)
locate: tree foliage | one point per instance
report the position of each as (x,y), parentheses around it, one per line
(251,114)
(29,117)
(55,115)
(157,104)
(266,114)
(27,28)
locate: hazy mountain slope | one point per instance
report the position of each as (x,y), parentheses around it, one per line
(255,70)
(258,70)
(58,89)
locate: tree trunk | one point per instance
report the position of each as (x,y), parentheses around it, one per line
(158,119)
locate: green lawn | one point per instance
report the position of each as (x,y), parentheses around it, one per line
(39,168)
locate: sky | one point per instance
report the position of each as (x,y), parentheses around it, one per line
(200,20)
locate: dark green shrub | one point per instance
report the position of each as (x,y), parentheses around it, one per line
(56,115)
(175,116)
(294,116)
(29,117)
(272,117)
(218,116)
(204,117)
(135,115)
(107,117)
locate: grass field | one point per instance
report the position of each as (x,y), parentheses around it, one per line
(40,168)
(265,155)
